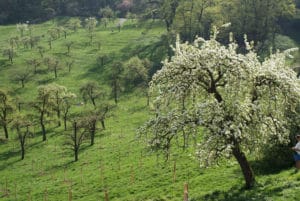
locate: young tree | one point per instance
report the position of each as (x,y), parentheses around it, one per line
(135,72)
(115,77)
(22,27)
(22,76)
(35,63)
(91,91)
(10,53)
(78,136)
(21,124)
(107,13)
(41,50)
(69,44)
(33,41)
(61,97)
(74,24)
(90,25)
(52,64)
(240,101)
(102,59)
(6,109)
(69,64)
(44,104)
(66,104)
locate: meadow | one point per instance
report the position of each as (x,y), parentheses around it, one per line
(118,166)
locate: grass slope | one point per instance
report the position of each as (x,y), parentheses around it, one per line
(118,165)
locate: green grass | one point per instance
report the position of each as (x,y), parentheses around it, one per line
(118,163)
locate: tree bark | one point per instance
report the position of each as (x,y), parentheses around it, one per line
(245,166)
(102,124)
(23,150)
(65,123)
(43,131)
(5,130)
(76,154)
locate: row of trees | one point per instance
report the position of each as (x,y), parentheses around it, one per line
(260,20)
(52,105)
(53,102)
(13,11)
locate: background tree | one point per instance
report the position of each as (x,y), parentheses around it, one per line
(135,73)
(22,124)
(106,14)
(260,20)
(69,44)
(52,64)
(90,25)
(22,27)
(91,91)
(102,59)
(69,64)
(78,136)
(240,102)
(21,76)
(33,41)
(10,53)
(115,80)
(74,24)
(6,109)
(66,103)
(62,101)
(35,63)
(44,104)
(41,50)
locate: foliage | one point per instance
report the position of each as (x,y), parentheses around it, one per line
(135,72)
(239,101)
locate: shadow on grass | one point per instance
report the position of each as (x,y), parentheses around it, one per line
(237,193)
(5,156)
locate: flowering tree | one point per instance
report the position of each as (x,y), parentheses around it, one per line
(239,102)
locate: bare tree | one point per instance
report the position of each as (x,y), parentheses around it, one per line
(77,137)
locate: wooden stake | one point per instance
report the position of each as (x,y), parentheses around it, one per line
(186,192)
(65,174)
(81,175)
(70,193)
(174,172)
(15,190)
(132,179)
(29,195)
(106,195)
(46,195)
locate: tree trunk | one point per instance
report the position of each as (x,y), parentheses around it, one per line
(65,123)
(44,132)
(5,130)
(93,102)
(93,131)
(55,72)
(245,166)
(23,150)
(76,154)
(103,124)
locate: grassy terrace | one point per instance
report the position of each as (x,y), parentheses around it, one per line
(118,165)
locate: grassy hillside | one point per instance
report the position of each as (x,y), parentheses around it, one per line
(118,166)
